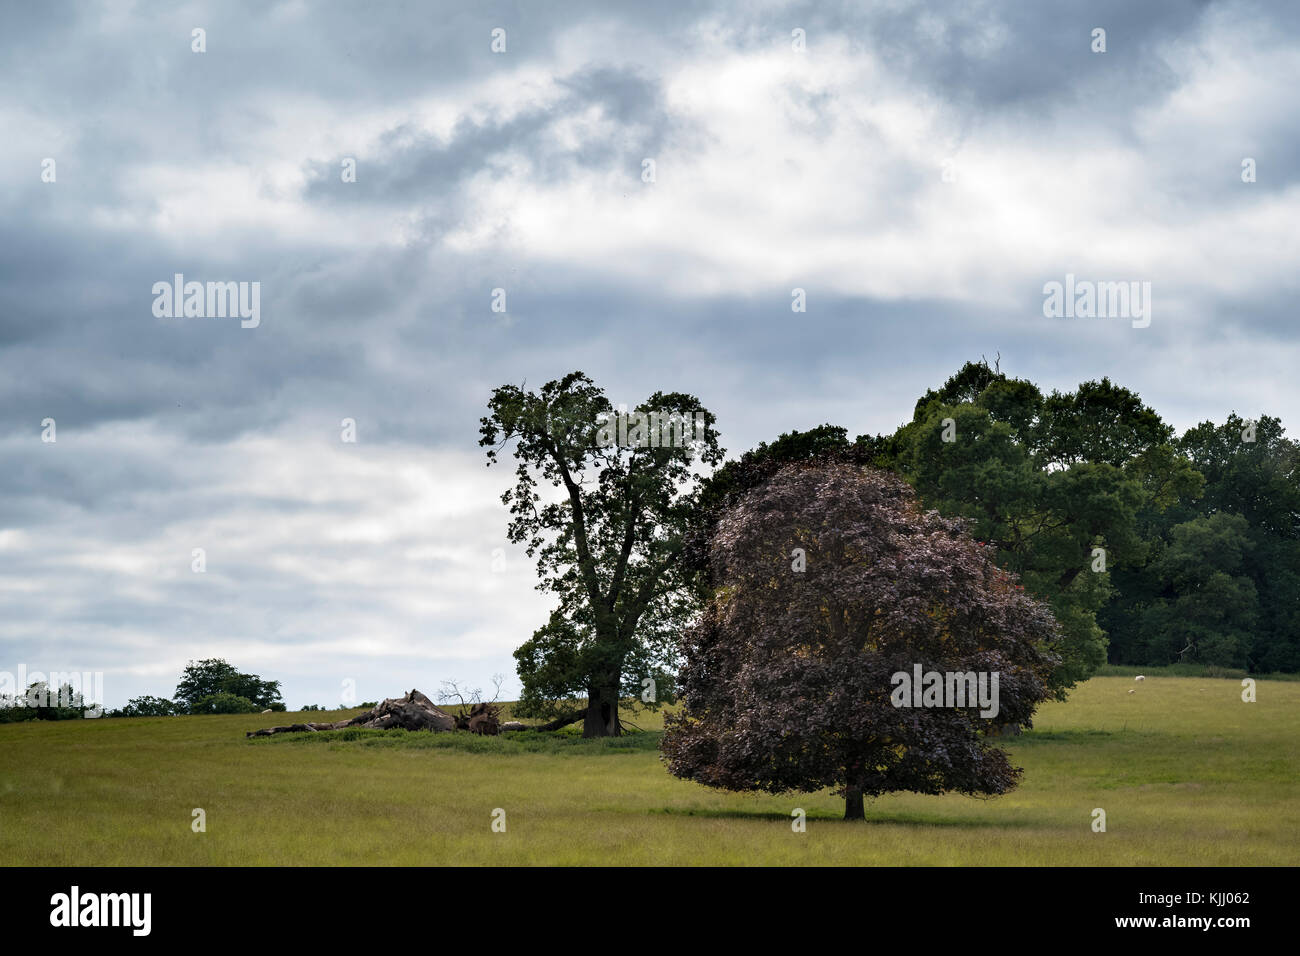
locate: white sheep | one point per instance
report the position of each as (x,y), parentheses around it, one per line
(1132,692)
(1139,677)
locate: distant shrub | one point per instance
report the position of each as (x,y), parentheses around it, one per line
(40,702)
(146,707)
(12,711)
(224,703)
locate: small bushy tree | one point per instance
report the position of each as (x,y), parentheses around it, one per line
(214,677)
(146,707)
(224,703)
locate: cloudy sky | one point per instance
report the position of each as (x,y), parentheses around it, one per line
(920,171)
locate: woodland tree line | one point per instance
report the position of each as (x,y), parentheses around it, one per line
(1149,547)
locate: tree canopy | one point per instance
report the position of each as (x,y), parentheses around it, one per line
(1083,494)
(608,539)
(828,581)
(213,686)
(1055,483)
(1221,580)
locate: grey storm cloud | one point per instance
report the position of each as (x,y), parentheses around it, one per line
(410,165)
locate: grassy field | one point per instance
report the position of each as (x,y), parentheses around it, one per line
(1186,772)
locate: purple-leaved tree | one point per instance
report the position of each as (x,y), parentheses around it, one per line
(828,582)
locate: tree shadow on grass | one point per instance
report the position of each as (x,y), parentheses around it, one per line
(895,818)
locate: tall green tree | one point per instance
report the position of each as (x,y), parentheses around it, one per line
(608,538)
(1056,483)
(203,681)
(1206,607)
(1105,514)
(1222,583)
(1253,470)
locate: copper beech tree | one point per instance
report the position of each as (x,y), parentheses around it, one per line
(828,581)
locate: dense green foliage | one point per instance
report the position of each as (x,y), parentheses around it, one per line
(1221,582)
(607,539)
(41,702)
(146,706)
(1150,548)
(215,687)
(224,703)
(1055,483)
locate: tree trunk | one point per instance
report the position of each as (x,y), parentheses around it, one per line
(601,719)
(853,809)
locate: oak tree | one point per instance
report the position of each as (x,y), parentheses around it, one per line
(608,537)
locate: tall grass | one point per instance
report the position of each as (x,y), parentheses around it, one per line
(1186,772)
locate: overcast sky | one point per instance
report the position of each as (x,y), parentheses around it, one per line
(919,171)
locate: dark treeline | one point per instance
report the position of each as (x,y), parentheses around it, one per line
(40,701)
(1151,548)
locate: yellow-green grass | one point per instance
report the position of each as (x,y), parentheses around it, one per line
(1186,772)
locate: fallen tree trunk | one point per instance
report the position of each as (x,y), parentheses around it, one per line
(412,712)
(417,712)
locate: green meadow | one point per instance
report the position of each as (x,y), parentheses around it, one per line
(1186,773)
